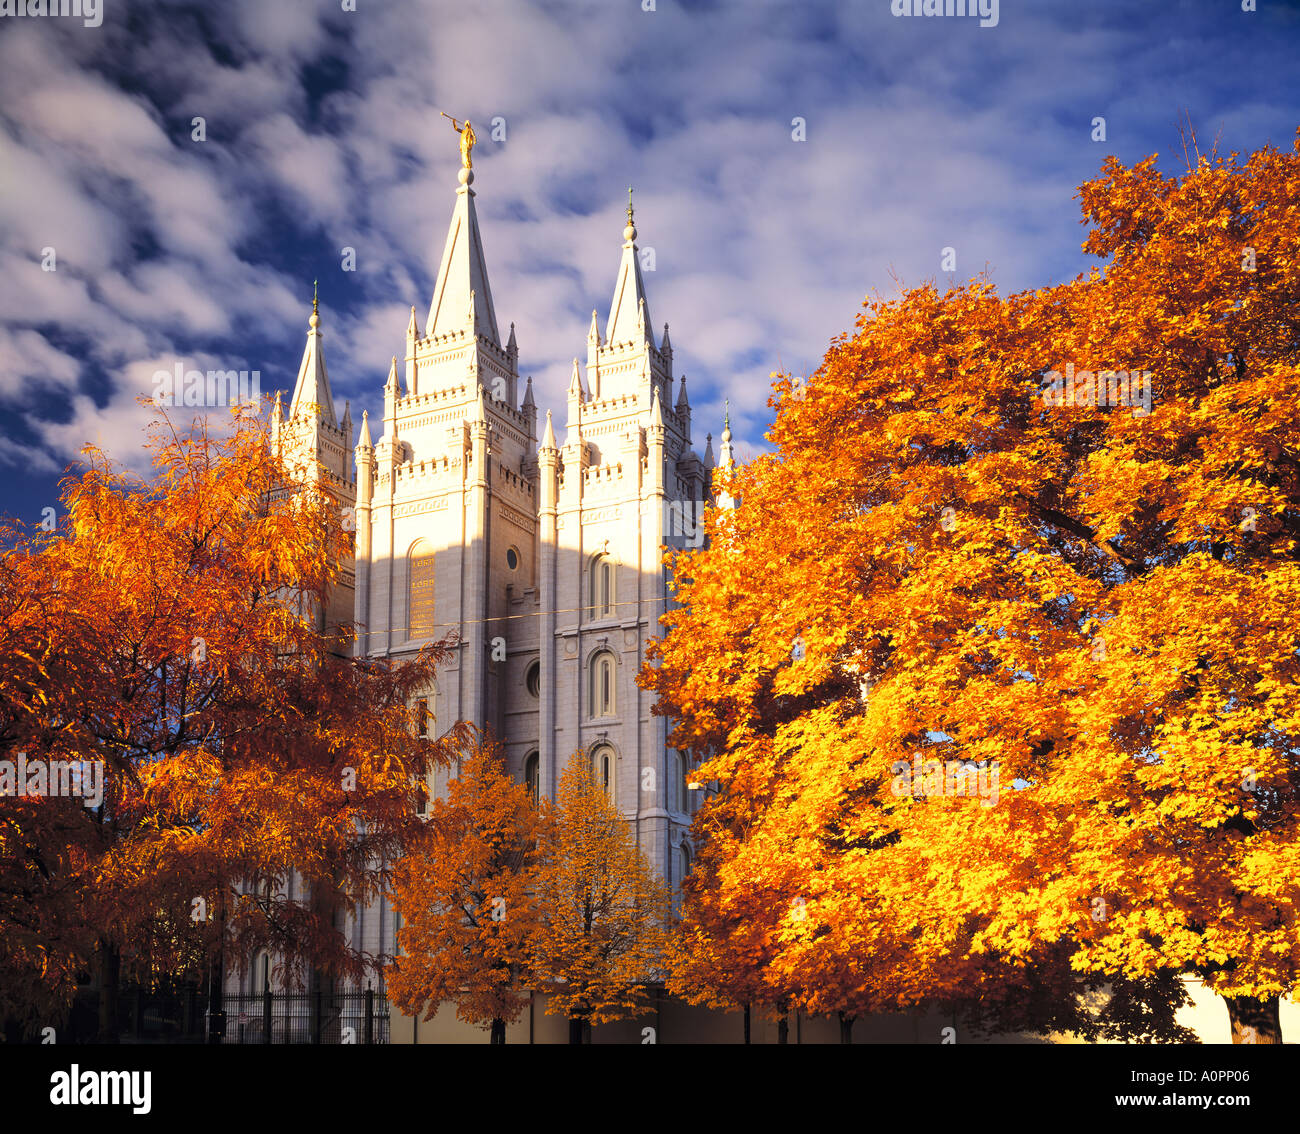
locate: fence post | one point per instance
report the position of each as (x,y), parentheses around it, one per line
(370,1015)
(266,1016)
(316,1013)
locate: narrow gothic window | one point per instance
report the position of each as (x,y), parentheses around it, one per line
(602,769)
(602,587)
(531,777)
(600,691)
(422,717)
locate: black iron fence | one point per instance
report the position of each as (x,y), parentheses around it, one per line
(350,1016)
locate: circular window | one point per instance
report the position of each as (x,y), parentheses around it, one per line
(533,678)
(512,559)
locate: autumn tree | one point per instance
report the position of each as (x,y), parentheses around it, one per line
(167,630)
(996,658)
(465,895)
(605,911)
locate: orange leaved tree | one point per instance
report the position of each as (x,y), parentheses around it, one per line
(996,659)
(175,646)
(605,912)
(465,895)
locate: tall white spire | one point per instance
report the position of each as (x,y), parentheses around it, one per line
(313,385)
(629,313)
(463,275)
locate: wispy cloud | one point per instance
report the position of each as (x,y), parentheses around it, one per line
(322,133)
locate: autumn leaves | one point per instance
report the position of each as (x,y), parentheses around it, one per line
(1065,592)
(503,896)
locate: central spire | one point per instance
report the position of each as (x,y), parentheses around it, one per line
(627,323)
(463,275)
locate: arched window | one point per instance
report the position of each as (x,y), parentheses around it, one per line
(602,769)
(532,767)
(533,679)
(677,784)
(600,685)
(602,587)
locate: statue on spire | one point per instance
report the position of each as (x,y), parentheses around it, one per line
(467,139)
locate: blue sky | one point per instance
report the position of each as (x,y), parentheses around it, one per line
(323,133)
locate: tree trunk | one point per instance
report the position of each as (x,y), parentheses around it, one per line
(846,1028)
(1254,1021)
(783,1030)
(110,968)
(498,1030)
(747,1023)
(575,1029)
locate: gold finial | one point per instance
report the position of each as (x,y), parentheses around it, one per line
(629,204)
(726,417)
(467,139)
(315,300)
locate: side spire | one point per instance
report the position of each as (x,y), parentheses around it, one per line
(313,386)
(629,314)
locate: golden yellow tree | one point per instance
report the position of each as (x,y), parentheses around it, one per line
(465,894)
(996,659)
(605,912)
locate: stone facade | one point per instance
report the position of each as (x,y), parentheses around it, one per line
(542,559)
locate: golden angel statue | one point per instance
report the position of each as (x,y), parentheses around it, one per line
(467,139)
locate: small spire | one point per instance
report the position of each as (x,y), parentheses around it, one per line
(347,414)
(412,330)
(364,442)
(277,411)
(593,335)
(575,383)
(666,347)
(683,403)
(391,384)
(656,415)
(528,394)
(726,454)
(708,449)
(512,347)
(480,408)
(548,438)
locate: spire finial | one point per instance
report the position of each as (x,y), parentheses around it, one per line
(726,417)
(315,305)
(629,233)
